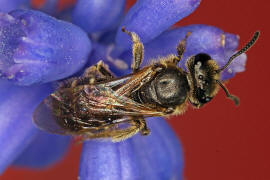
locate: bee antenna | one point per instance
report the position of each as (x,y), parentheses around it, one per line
(244,49)
(232,97)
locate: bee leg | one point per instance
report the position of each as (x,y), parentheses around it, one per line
(137,50)
(136,126)
(97,72)
(94,73)
(68,83)
(117,134)
(181,47)
(101,70)
(144,131)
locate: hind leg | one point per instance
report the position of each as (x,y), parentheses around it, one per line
(117,133)
(138,125)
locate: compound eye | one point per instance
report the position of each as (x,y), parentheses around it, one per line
(202,57)
(171,88)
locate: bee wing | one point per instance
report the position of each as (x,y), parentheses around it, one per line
(44,118)
(130,83)
(133,108)
(110,101)
(103,99)
(118,97)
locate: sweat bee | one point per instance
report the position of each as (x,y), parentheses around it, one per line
(99,105)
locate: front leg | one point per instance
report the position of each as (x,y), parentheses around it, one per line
(181,47)
(137,50)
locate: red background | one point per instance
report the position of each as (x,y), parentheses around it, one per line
(220,141)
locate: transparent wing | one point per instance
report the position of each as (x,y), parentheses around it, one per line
(99,100)
(45,119)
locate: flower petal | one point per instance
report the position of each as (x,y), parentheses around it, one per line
(101,52)
(237,65)
(16,128)
(44,150)
(98,15)
(7,5)
(37,48)
(149,18)
(203,39)
(156,156)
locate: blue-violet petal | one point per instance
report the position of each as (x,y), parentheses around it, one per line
(16,127)
(8,5)
(157,156)
(149,18)
(37,48)
(98,15)
(44,150)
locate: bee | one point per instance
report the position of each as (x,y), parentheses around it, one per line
(100,105)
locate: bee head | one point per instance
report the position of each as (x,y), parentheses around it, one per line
(204,76)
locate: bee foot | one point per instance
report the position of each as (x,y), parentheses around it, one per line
(145,132)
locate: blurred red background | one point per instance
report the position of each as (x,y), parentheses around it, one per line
(220,141)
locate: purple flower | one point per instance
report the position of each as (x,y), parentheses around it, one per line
(149,18)
(7,5)
(17,133)
(157,156)
(96,15)
(37,49)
